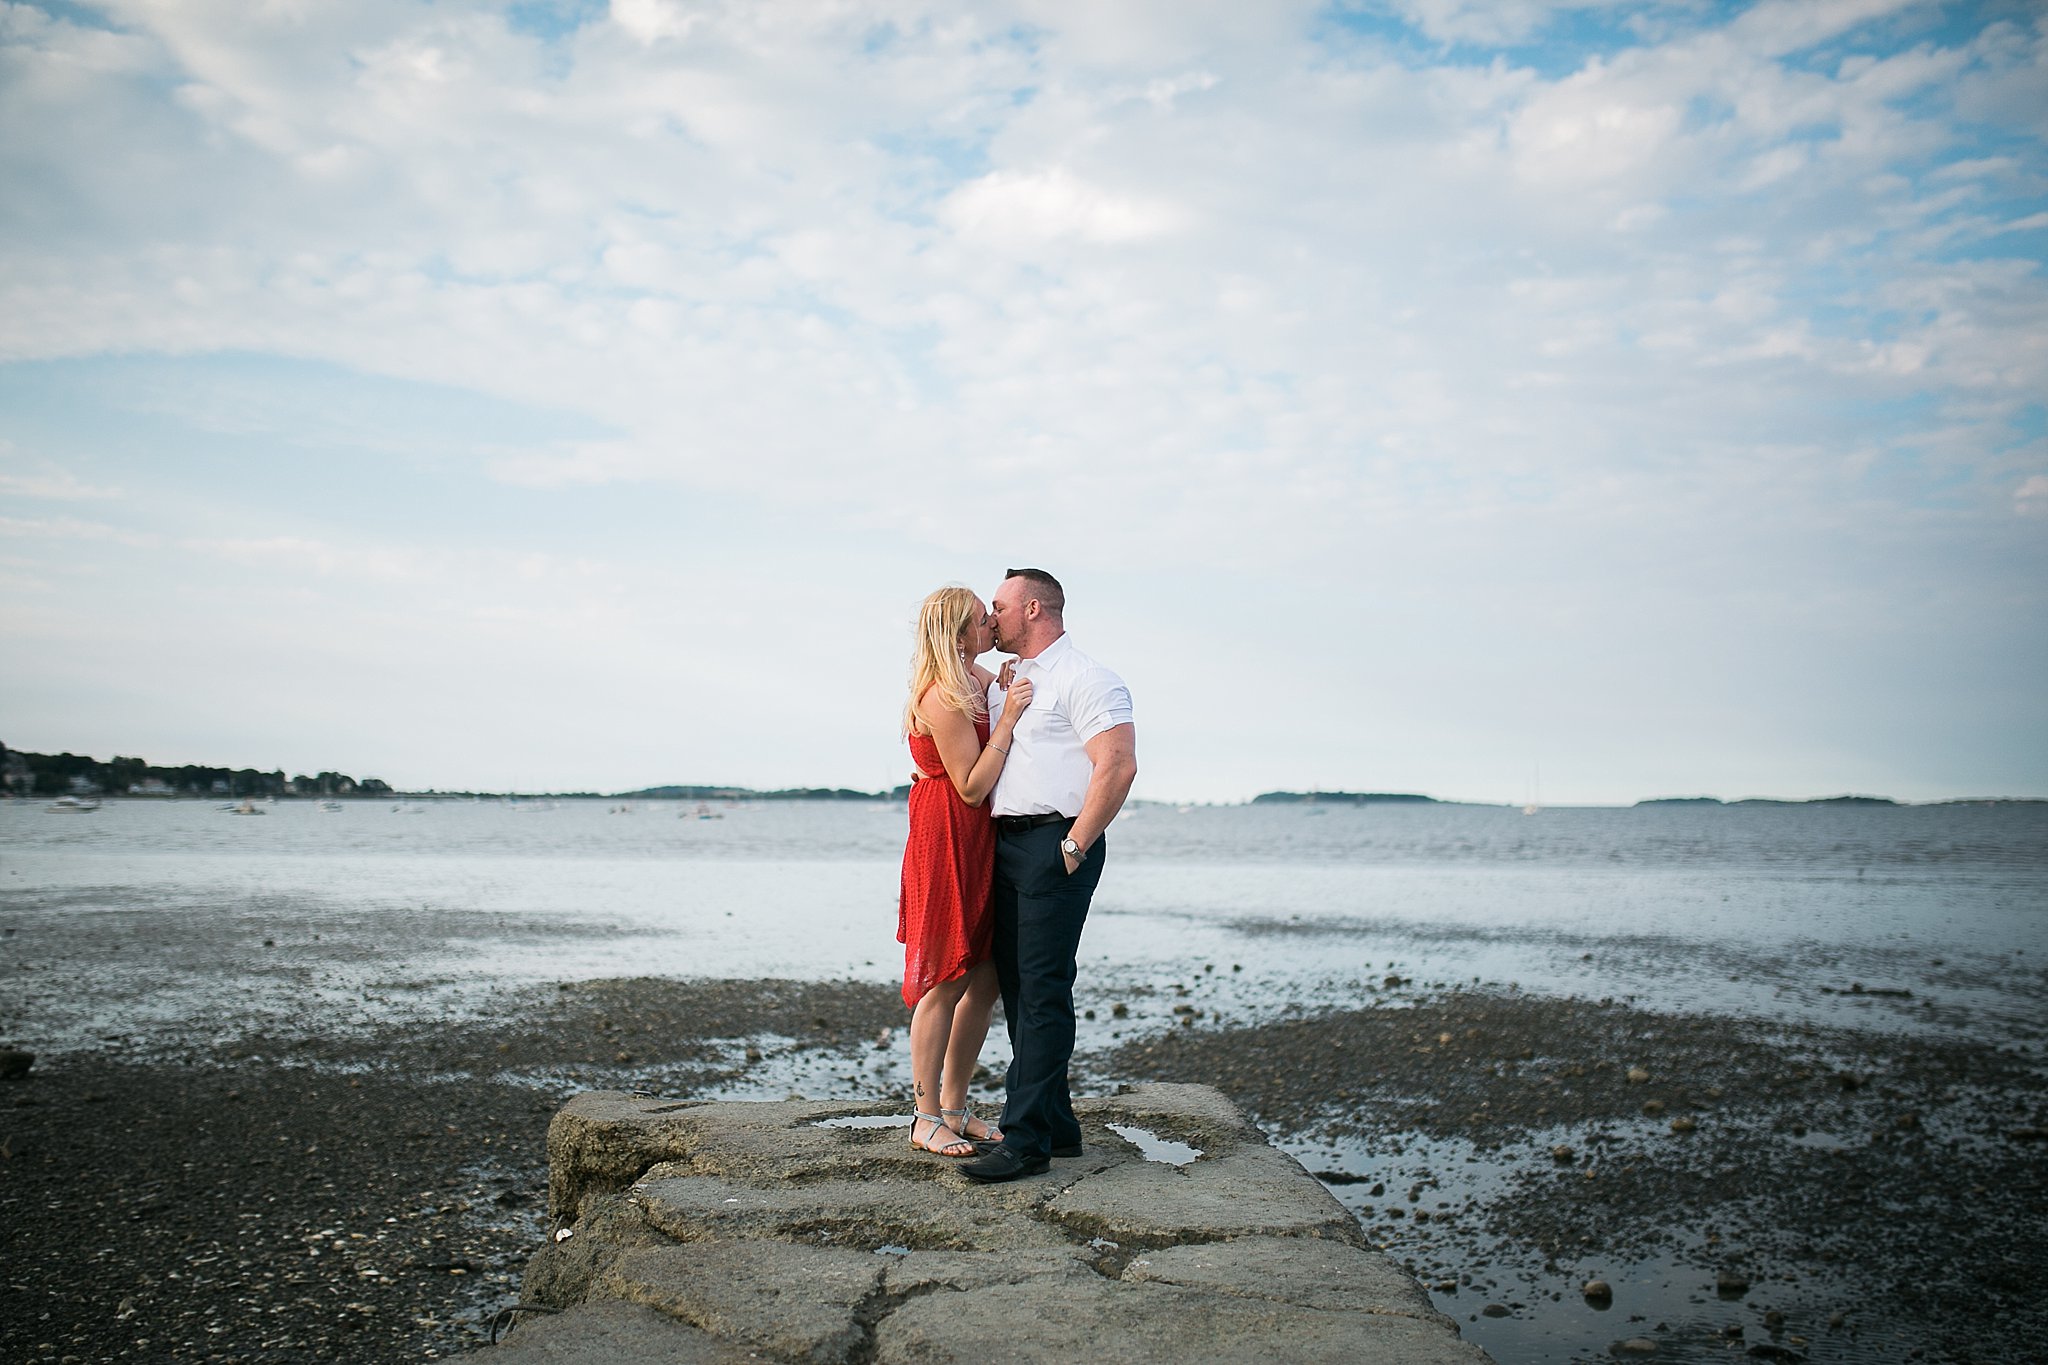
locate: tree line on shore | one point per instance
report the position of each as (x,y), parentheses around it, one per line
(30,774)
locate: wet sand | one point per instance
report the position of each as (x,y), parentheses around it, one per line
(1791,1191)
(292,1173)
(368,1196)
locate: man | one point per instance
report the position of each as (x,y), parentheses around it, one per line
(1069,768)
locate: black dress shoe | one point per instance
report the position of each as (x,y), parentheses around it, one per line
(1072,1149)
(1000,1163)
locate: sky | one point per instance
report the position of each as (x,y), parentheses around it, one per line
(1572,401)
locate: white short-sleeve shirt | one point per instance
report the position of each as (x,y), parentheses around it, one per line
(1073,699)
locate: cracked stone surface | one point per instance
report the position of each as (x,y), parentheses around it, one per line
(772,1229)
(1312,1274)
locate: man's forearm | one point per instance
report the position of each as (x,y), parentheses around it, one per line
(1108,785)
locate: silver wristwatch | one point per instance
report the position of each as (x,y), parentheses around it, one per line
(1071,849)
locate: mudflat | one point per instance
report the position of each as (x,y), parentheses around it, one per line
(213,1162)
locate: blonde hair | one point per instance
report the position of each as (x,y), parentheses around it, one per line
(935,659)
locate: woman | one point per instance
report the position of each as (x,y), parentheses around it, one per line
(943,917)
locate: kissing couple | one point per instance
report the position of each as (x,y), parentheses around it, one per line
(1017,776)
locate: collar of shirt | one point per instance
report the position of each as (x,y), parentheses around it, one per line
(1050,655)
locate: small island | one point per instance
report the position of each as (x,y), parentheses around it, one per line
(1341,799)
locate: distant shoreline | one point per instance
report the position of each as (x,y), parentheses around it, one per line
(727,795)
(33,776)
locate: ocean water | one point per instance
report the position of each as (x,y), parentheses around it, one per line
(1771,912)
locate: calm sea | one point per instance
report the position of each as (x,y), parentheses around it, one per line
(1751,910)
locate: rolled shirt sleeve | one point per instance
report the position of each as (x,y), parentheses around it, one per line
(1097,701)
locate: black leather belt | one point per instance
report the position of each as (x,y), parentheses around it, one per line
(1017,824)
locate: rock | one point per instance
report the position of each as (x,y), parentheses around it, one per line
(1497,1310)
(1634,1346)
(1731,1282)
(1774,1319)
(1597,1290)
(756,1227)
(14,1064)
(1652,1108)
(1837,1320)
(607,1332)
(1637,1076)
(1314,1274)
(799,1301)
(1563,1155)
(1089,1318)
(1684,1124)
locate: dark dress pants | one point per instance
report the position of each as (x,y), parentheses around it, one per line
(1039,912)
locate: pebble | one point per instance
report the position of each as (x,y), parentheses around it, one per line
(1637,1076)
(1597,1289)
(1497,1310)
(1635,1346)
(1728,1282)
(1683,1124)
(1563,1155)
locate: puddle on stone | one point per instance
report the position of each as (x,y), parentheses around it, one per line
(1153,1147)
(862,1121)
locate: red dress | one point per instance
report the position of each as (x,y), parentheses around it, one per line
(949,862)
